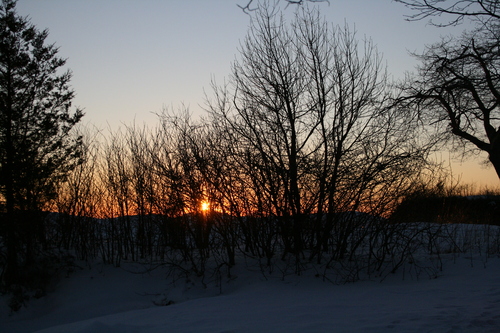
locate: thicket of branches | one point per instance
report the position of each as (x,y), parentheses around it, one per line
(154,182)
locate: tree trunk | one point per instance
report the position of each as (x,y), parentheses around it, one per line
(11,270)
(494,157)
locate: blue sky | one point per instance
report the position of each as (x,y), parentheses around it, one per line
(132,58)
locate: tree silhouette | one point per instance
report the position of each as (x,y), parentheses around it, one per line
(457,84)
(37,148)
(307,113)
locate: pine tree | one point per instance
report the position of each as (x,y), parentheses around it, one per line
(37,144)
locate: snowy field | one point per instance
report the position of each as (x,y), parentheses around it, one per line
(462,297)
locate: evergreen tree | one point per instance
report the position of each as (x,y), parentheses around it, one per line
(37,145)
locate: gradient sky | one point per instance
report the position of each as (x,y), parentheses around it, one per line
(132,58)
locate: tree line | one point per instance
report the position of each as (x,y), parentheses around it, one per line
(302,156)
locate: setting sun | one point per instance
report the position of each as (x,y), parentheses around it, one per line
(205,206)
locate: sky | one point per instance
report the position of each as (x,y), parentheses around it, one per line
(131,59)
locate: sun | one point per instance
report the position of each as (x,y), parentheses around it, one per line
(205,206)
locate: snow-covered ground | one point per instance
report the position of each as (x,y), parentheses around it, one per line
(465,297)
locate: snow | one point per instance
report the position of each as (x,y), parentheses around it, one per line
(463,297)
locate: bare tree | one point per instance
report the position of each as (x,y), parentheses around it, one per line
(456,86)
(316,134)
(79,200)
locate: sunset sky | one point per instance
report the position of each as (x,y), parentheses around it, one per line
(130,58)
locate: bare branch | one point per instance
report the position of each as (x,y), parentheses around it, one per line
(247,8)
(456,9)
